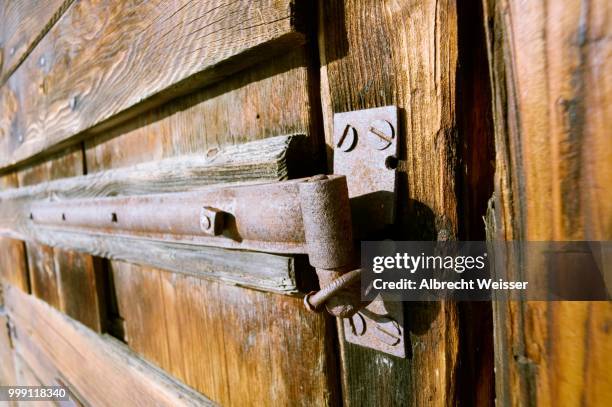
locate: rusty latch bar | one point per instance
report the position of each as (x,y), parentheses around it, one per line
(309,215)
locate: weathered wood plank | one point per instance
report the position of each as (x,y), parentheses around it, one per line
(24,24)
(38,371)
(80,283)
(263,160)
(104,62)
(13,267)
(7,366)
(262,271)
(25,376)
(377,53)
(99,368)
(262,102)
(257,160)
(236,346)
(551,72)
(43,274)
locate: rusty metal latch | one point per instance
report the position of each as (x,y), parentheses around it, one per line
(310,215)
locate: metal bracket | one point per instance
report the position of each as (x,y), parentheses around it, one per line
(365,151)
(365,144)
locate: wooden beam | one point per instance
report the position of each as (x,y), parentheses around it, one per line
(99,368)
(123,59)
(376,53)
(550,75)
(262,271)
(263,160)
(260,160)
(228,342)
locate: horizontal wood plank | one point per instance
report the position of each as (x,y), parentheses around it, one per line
(238,346)
(104,62)
(263,271)
(263,160)
(257,103)
(100,369)
(24,24)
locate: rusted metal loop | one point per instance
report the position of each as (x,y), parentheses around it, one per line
(315,301)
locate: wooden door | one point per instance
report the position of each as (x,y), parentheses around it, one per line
(102,99)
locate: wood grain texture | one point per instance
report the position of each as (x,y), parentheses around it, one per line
(99,368)
(7,367)
(80,284)
(551,76)
(263,160)
(25,376)
(378,53)
(268,100)
(262,271)
(67,280)
(13,265)
(39,371)
(236,346)
(106,61)
(24,24)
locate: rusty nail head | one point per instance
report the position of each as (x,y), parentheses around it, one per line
(381,134)
(348,139)
(211,220)
(388,331)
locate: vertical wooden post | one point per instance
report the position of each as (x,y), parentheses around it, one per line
(550,70)
(376,53)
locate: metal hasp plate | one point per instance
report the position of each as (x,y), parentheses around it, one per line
(365,151)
